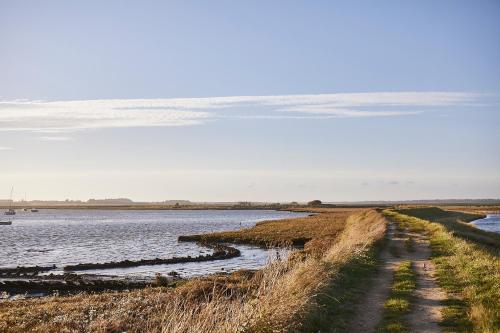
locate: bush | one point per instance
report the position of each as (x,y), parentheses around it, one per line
(160,280)
(314,203)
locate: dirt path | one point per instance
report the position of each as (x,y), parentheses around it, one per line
(369,311)
(426,310)
(426,313)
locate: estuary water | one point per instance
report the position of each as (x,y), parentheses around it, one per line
(490,223)
(64,237)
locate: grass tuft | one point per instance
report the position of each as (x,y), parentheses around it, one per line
(399,302)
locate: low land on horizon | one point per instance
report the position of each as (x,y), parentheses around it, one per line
(125,203)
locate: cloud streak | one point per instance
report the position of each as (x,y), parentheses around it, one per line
(67,116)
(55,138)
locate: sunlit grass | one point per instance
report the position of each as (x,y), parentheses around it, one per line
(467,270)
(399,302)
(456,222)
(315,232)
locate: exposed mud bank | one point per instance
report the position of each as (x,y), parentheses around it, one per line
(221,252)
(27,280)
(25,271)
(68,284)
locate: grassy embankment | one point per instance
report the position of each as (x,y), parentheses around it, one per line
(457,222)
(399,301)
(304,293)
(467,266)
(484,209)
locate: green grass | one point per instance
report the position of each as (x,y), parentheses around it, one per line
(435,214)
(468,270)
(410,244)
(456,222)
(337,301)
(399,301)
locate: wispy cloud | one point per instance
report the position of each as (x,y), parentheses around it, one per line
(66,116)
(55,138)
(332,112)
(53,117)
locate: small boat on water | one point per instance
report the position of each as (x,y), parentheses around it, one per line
(11,211)
(5,222)
(34,210)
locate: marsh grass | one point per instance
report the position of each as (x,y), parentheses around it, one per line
(315,232)
(468,271)
(316,282)
(161,281)
(285,296)
(399,301)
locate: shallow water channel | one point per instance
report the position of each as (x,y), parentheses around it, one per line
(490,223)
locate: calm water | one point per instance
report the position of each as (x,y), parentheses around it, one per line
(63,237)
(490,223)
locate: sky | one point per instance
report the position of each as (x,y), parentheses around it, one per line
(250,100)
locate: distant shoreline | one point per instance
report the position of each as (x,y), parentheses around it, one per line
(484,208)
(184,207)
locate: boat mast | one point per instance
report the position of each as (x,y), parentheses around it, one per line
(11,197)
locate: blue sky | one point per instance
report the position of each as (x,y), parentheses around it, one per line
(256,100)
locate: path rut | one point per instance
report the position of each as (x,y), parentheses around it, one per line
(426,312)
(426,309)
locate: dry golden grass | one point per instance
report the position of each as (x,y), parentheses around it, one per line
(276,299)
(292,297)
(120,311)
(317,231)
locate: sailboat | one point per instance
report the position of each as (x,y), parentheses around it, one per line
(11,211)
(25,201)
